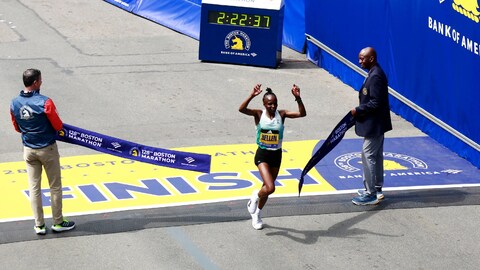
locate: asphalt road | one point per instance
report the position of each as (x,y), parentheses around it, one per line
(111,71)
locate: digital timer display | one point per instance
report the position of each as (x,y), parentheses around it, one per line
(239,19)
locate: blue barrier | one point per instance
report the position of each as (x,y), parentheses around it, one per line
(184,16)
(294,25)
(429,50)
(128,5)
(180,15)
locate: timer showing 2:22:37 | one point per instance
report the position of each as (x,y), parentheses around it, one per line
(239,19)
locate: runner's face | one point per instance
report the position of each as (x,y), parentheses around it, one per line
(270,103)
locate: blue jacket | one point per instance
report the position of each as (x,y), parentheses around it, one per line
(373,114)
(35,116)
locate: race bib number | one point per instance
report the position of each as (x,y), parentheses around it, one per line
(269,137)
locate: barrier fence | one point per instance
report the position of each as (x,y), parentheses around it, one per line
(430,51)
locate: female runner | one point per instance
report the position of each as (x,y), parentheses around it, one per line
(269,124)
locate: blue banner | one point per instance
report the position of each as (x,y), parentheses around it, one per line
(408,162)
(294,25)
(332,140)
(180,15)
(138,152)
(128,5)
(430,51)
(184,16)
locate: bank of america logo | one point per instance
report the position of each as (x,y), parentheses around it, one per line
(116,145)
(451,171)
(189,159)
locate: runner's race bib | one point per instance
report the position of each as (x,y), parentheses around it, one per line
(269,138)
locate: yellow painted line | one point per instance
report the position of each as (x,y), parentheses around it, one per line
(105,183)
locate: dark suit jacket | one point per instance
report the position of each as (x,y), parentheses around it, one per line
(373,114)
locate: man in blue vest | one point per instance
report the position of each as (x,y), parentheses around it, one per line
(36,118)
(372,120)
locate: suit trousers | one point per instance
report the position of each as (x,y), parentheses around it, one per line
(372,161)
(49,159)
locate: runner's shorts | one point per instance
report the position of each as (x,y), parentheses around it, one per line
(272,157)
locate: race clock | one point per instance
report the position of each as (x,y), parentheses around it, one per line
(242,32)
(239,19)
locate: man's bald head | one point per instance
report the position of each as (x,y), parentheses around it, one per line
(367,58)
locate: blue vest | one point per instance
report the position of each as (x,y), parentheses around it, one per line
(29,112)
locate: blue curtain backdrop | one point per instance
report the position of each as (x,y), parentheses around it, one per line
(294,25)
(429,50)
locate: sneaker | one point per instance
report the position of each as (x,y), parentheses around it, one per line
(64,226)
(257,222)
(253,202)
(42,230)
(380,195)
(366,199)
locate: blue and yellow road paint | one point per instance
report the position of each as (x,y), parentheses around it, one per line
(103,183)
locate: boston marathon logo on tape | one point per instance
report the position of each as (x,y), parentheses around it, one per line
(126,149)
(416,161)
(330,143)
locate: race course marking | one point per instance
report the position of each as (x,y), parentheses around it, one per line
(104,183)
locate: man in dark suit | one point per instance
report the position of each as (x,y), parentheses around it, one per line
(372,120)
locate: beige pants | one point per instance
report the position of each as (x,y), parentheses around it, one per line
(37,159)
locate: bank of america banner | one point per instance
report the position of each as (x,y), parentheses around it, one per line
(332,140)
(138,152)
(429,49)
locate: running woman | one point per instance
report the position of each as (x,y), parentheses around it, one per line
(269,124)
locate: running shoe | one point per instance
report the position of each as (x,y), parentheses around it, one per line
(380,195)
(253,202)
(64,226)
(366,199)
(257,222)
(42,230)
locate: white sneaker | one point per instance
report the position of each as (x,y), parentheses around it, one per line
(257,222)
(42,230)
(253,202)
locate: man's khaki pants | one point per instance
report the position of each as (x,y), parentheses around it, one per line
(37,159)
